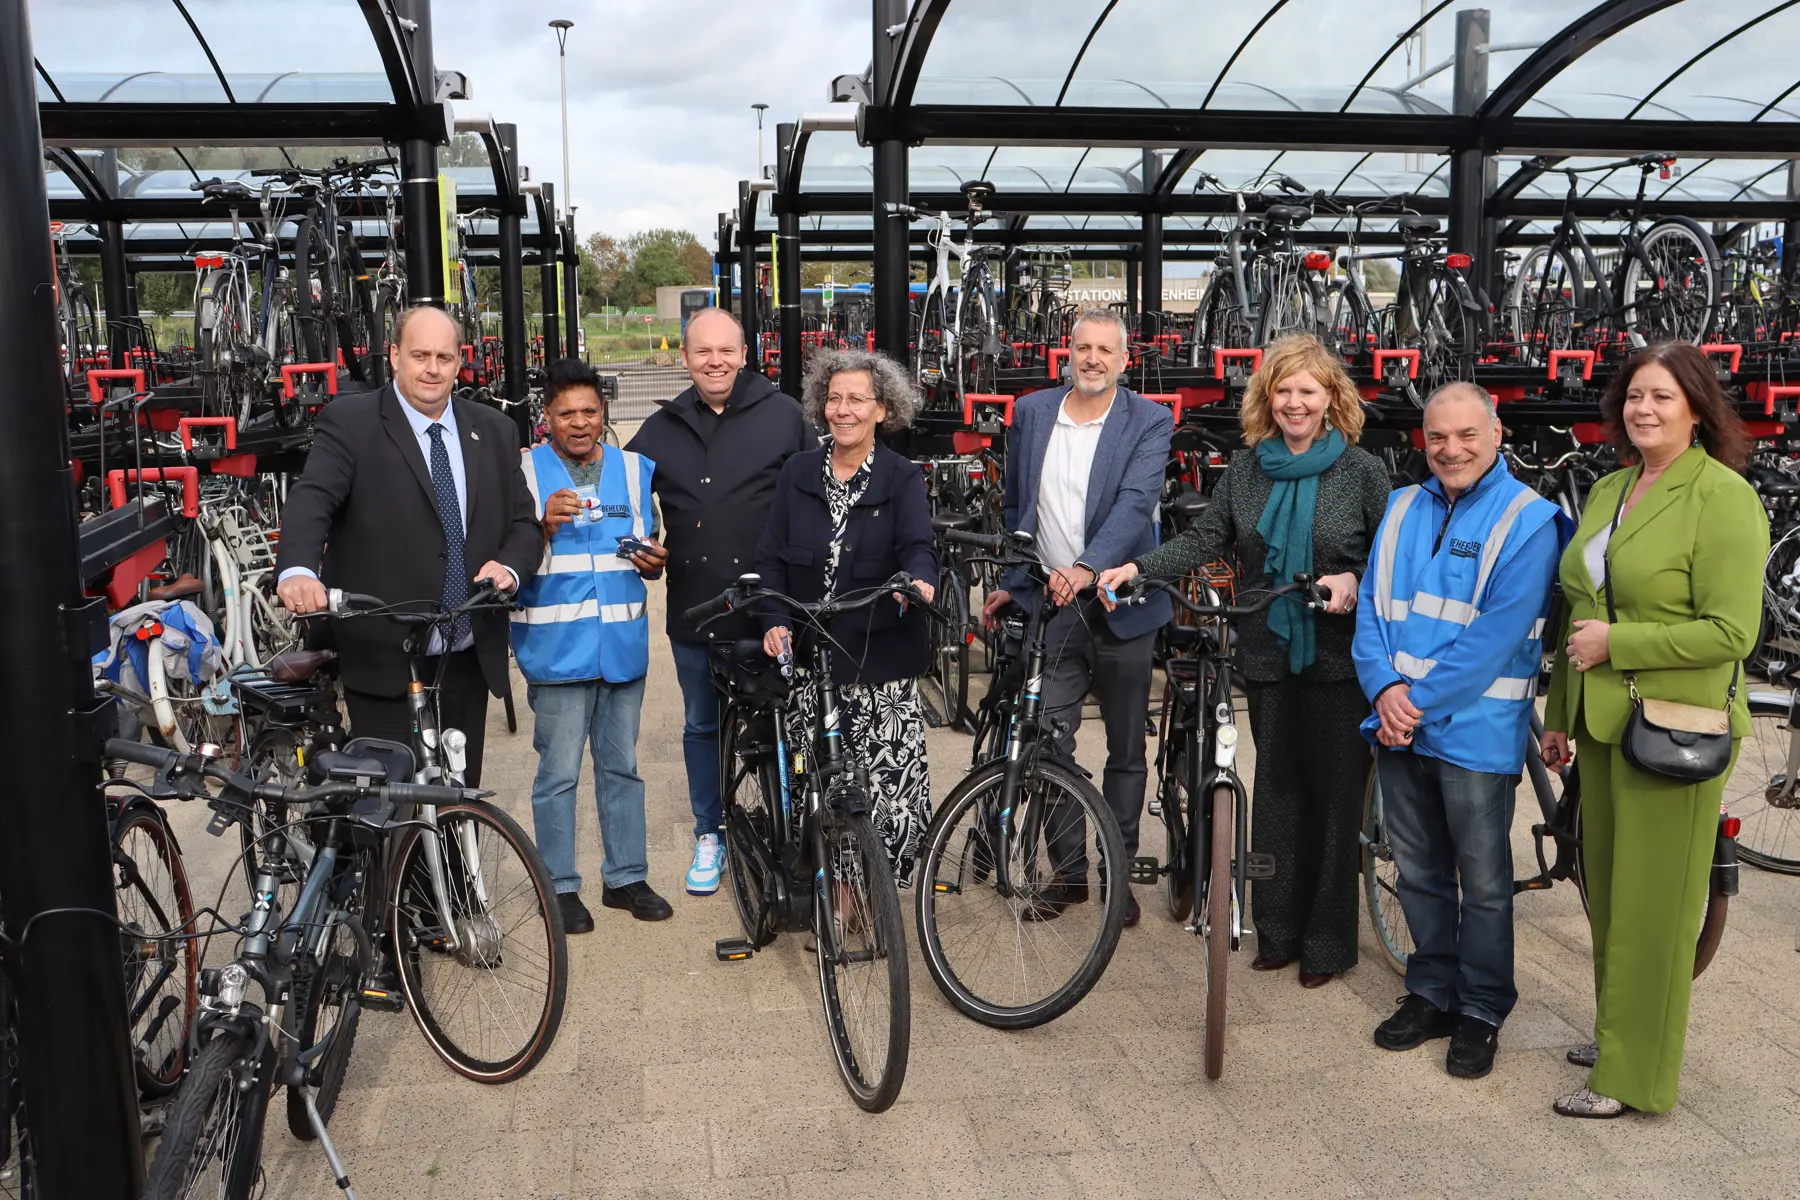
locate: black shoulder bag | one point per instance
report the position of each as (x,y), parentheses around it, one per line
(1684,742)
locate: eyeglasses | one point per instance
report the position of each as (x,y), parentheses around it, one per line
(858,401)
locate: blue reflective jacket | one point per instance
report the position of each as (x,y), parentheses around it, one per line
(1454,606)
(582,614)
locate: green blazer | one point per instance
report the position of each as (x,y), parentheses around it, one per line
(1687,567)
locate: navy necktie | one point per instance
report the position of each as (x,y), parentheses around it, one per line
(456,570)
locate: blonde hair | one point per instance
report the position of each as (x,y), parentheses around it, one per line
(1291,355)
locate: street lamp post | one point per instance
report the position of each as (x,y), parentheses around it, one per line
(761,172)
(562,27)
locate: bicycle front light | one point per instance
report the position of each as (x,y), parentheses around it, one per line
(1225,742)
(455,744)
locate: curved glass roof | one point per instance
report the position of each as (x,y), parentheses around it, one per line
(205,52)
(1692,60)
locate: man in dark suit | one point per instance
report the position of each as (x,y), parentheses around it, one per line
(404,491)
(1084,472)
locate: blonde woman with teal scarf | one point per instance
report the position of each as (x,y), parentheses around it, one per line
(1301,499)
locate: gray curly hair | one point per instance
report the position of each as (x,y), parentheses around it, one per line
(894,387)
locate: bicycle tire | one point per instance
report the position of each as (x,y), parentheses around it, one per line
(1219,895)
(1381,880)
(152,898)
(332,1007)
(312,257)
(1177,811)
(945,871)
(1527,316)
(17,1167)
(1769,836)
(1686,265)
(751,781)
(950,659)
(879,934)
(421,945)
(381,333)
(195,1140)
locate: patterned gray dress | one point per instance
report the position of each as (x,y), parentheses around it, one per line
(885,721)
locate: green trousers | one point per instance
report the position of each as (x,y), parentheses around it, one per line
(1647,848)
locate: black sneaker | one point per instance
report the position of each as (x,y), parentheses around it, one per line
(639,900)
(575,915)
(1472,1047)
(1416,1022)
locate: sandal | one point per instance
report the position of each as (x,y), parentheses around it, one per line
(1585,1056)
(1589,1103)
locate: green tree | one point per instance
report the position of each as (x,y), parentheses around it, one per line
(163,293)
(605,272)
(665,258)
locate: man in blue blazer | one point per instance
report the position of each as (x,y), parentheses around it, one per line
(1084,472)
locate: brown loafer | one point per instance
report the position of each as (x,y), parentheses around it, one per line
(1264,962)
(1313,979)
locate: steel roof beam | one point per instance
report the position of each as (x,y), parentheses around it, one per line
(1576,39)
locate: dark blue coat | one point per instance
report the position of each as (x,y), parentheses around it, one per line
(889,530)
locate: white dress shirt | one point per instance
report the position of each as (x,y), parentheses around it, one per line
(1063,486)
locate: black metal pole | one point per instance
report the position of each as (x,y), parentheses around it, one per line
(1468,166)
(787,265)
(571,289)
(512,284)
(722,294)
(748,294)
(892,234)
(73,1043)
(1132,308)
(1153,243)
(547,256)
(115,288)
(424,222)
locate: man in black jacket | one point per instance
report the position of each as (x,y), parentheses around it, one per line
(405,491)
(718,449)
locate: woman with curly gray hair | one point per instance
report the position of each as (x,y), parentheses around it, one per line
(846,518)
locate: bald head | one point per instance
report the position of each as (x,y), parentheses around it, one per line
(712,349)
(425,357)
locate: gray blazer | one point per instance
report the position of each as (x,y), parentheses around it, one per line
(1123,490)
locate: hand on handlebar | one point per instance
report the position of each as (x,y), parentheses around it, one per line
(1339,591)
(497,574)
(1111,581)
(302,594)
(926,592)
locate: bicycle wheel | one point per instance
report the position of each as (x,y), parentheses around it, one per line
(312,292)
(212,1141)
(947,687)
(1672,291)
(16,1165)
(751,784)
(1381,880)
(1177,811)
(328,997)
(862,963)
(1219,899)
(490,1004)
(150,889)
(1769,836)
(1543,303)
(1017,958)
(381,333)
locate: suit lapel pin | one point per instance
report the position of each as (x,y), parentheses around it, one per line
(473,436)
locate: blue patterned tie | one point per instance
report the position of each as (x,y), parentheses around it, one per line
(456,571)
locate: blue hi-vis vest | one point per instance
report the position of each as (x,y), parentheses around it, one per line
(583,612)
(1426,602)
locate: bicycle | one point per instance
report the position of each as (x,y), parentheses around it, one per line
(1664,285)
(957,338)
(822,869)
(1264,286)
(1206,824)
(1559,831)
(1021,886)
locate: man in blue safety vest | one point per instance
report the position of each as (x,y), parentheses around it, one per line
(1448,647)
(582,641)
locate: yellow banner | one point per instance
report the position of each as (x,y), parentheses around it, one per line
(775,270)
(452,238)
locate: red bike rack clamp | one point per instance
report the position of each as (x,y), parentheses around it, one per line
(293,371)
(188,477)
(187,425)
(1776,392)
(1169,400)
(1409,356)
(972,399)
(1735,351)
(98,377)
(1584,357)
(1051,356)
(1220,357)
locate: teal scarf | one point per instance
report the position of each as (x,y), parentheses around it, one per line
(1287,527)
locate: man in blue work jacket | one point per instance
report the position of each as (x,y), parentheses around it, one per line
(1449,631)
(582,640)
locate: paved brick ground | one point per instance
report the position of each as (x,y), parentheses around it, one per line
(676,1075)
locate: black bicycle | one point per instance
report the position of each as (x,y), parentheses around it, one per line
(1204,806)
(1021,887)
(800,843)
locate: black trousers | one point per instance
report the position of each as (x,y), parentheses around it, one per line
(1312,767)
(1085,655)
(462,704)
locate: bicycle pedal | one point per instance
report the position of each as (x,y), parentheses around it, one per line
(1259,866)
(1156,806)
(1145,870)
(733,949)
(383,1000)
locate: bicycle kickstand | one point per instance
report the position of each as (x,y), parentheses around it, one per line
(331,1155)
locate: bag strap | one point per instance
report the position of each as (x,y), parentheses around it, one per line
(1612,615)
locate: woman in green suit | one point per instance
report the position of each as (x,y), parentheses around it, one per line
(1685,551)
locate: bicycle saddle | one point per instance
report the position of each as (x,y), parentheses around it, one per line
(1190,503)
(942,522)
(977,192)
(186,585)
(1774,483)
(1414,225)
(1288,214)
(297,666)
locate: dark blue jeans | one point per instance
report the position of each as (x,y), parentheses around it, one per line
(699,733)
(1446,822)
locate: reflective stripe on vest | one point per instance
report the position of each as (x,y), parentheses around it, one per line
(1503,688)
(1384,556)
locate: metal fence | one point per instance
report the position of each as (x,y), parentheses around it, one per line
(642,388)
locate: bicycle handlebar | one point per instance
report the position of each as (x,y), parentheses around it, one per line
(343,605)
(750,587)
(176,764)
(1138,592)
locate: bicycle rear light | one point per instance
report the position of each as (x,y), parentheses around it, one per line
(1457,262)
(1318,260)
(1730,826)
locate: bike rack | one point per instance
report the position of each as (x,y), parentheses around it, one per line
(1169,400)
(1558,357)
(979,403)
(293,371)
(1731,349)
(1776,392)
(1051,356)
(187,425)
(1409,356)
(1220,357)
(96,378)
(188,477)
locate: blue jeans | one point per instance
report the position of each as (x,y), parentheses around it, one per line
(1446,822)
(700,733)
(604,716)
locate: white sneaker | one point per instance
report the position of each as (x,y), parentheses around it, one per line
(709,863)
